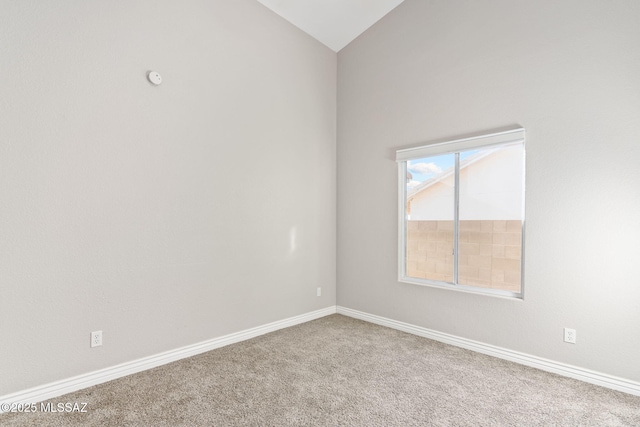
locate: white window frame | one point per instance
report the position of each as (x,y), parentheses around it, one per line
(403,156)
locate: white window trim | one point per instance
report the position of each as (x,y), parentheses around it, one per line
(448,147)
(403,156)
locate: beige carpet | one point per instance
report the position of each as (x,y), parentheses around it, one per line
(338,371)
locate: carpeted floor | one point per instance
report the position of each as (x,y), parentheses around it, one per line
(338,371)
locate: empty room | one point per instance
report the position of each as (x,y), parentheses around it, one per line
(320,213)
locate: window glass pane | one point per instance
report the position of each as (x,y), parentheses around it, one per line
(491,213)
(430,214)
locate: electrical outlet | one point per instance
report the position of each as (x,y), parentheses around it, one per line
(319,292)
(96,338)
(570,335)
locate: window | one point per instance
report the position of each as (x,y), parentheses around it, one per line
(462,214)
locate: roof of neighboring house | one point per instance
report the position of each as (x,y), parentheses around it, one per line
(448,172)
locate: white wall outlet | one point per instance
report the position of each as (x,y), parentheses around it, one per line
(96,339)
(570,335)
(319,292)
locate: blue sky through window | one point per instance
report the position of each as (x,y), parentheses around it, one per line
(428,167)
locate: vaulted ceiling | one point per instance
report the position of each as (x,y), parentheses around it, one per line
(333,22)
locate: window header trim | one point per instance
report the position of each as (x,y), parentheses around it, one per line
(454,146)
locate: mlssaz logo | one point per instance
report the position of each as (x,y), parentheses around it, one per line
(63,407)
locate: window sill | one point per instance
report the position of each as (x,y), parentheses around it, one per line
(517,296)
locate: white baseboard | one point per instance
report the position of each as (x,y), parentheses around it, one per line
(58,388)
(598,378)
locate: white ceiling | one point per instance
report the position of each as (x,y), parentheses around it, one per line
(333,22)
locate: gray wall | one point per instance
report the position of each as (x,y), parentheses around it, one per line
(568,72)
(166,215)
